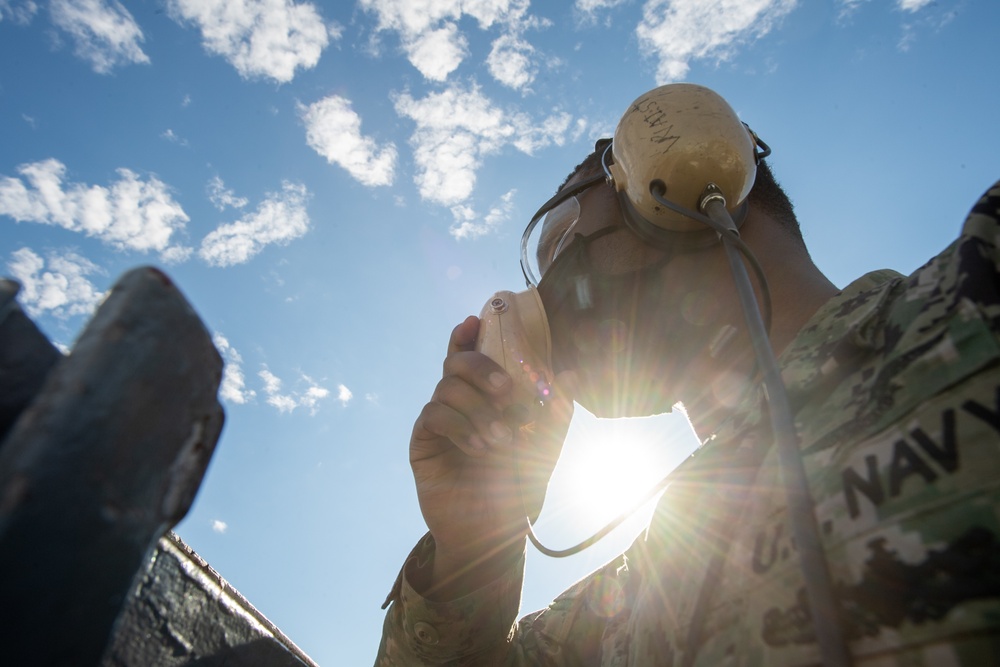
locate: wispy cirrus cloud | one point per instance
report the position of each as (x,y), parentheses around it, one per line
(18,11)
(233,387)
(171,136)
(57,285)
(307,394)
(333,129)
(912,5)
(470,225)
(282,217)
(457,127)
(131,213)
(679,31)
(103,32)
(260,38)
(223,197)
(592,7)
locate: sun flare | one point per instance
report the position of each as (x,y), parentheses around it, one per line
(607,466)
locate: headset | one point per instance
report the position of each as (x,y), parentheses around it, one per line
(682,165)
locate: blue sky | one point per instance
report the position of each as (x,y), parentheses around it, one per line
(335,185)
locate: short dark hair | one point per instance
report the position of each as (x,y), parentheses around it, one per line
(591,165)
(767,195)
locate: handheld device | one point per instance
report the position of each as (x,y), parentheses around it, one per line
(514,332)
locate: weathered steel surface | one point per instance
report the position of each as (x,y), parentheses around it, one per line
(183,613)
(105,459)
(26,357)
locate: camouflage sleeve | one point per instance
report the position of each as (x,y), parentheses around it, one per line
(472,630)
(479,629)
(984,216)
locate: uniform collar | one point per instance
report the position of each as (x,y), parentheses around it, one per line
(831,343)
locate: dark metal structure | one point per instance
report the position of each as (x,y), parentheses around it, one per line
(101,452)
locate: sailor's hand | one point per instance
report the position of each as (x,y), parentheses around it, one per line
(479,470)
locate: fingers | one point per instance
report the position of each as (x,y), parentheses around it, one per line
(463,337)
(466,407)
(473,405)
(479,371)
(441,425)
(484,425)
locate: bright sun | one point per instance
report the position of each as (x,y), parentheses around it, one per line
(606,467)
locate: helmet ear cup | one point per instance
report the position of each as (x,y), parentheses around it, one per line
(688,138)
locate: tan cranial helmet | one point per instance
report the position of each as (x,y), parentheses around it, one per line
(686,137)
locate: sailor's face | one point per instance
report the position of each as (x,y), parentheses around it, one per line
(619,312)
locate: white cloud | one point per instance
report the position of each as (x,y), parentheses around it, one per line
(912,5)
(280,218)
(173,138)
(430,36)
(312,396)
(260,38)
(18,12)
(58,286)
(455,128)
(437,53)
(848,7)
(678,31)
(176,254)
(272,384)
(531,137)
(130,214)
(272,388)
(333,130)
(510,62)
(233,386)
(590,7)
(412,18)
(103,32)
(222,197)
(469,225)
(308,398)
(219,526)
(344,395)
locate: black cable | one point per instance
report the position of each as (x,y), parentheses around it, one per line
(599,535)
(819,586)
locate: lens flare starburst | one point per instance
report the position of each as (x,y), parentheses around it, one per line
(606,467)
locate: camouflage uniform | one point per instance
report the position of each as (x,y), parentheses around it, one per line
(895,384)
